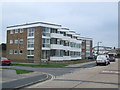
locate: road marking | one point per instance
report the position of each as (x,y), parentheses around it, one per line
(111,72)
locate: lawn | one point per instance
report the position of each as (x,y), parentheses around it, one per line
(43,65)
(19,71)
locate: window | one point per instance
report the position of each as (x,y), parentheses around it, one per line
(11,52)
(21,41)
(45,54)
(57,53)
(31,43)
(30,57)
(69,35)
(44,40)
(31,32)
(61,42)
(20,51)
(21,30)
(45,30)
(66,43)
(16,30)
(30,52)
(45,34)
(16,41)
(53,41)
(87,48)
(15,51)
(87,42)
(53,30)
(11,31)
(66,53)
(11,41)
(46,45)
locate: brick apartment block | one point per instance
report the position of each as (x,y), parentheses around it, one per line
(37,42)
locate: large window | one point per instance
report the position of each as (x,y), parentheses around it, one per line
(61,42)
(31,43)
(53,41)
(45,54)
(11,31)
(16,41)
(16,30)
(31,32)
(66,53)
(45,42)
(30,52)
(30,57)
(21,30)
(57,53)
(66,43)
(11,52)
(11,41)
(87,42)
(45,31)
(52,30)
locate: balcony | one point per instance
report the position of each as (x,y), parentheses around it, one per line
(56,35)
(56,58)
(57,46)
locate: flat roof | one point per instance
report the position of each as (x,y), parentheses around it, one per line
(35,23)
(85,38)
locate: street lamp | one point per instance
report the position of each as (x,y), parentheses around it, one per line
(98,47)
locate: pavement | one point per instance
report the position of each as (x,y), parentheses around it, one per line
(94,77)
(24,80)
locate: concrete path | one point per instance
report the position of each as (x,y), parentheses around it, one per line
(94,77)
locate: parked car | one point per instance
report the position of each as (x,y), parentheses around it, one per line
(5,61)
(92,57)
(112,59)
(102,59)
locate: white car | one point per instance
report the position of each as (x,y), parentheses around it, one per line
(102,59)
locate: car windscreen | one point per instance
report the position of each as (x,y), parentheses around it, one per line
(4,59)
(101,57)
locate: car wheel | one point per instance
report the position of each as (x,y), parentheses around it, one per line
(105,63)
(97,64)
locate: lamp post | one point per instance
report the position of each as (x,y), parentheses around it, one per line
(98,47)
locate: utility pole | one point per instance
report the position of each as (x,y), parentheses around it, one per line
(98,47)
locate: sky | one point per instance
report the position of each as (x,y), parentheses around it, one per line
(97,20)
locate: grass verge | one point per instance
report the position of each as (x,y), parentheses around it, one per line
(44,65)
(19,71)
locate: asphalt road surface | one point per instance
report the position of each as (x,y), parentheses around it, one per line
(55,71)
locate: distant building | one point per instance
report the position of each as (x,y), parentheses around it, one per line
(86,47)
(101,50)
(39,42)
(3,50)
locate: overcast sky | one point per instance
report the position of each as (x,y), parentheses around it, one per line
(97,20)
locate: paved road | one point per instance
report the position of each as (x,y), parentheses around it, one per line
(94,77)
(55,71)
